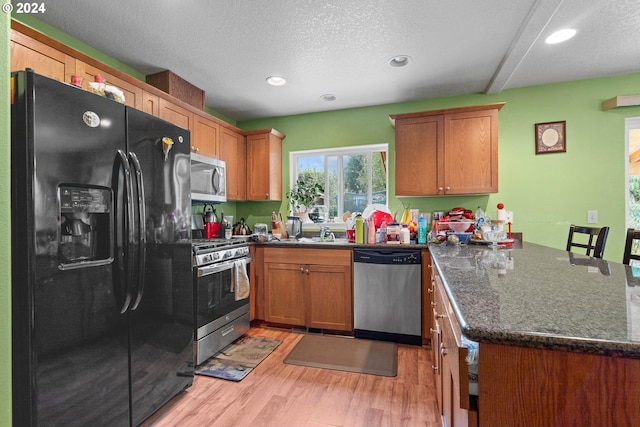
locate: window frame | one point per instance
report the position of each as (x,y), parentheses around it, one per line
(340,152)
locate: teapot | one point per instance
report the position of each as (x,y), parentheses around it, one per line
(209,215)
(211,224)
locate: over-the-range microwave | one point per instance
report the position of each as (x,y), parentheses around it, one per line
(208,179)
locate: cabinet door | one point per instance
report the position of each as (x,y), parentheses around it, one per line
(418,146)
(233,150)
(284,293)
(205,136)
(44,60)
(264,167)
(329,299)
(150,103)
(177,115)
(470,159)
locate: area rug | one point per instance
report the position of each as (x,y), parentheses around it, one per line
(346,354)
(235,361)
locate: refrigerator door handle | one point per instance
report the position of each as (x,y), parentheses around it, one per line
(140,227)
(123,229)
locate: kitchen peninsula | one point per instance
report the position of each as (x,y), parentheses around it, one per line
(558,335)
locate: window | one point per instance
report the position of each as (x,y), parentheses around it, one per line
(353,177)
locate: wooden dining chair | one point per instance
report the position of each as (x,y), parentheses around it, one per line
(597,238)
(633,234)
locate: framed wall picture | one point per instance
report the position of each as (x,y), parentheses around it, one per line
(551,137)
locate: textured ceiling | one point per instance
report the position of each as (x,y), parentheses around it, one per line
(341,47)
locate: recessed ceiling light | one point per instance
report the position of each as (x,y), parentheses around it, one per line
(560,36)
(328,97)
(399,61)
(276,80)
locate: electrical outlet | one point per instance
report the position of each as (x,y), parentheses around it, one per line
(592,217)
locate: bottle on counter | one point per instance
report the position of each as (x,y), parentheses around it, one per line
(479,218)
(422,230)
(359,229)
(383,233)
(371,235)
(405,235)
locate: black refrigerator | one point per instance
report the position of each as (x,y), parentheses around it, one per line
(102,294)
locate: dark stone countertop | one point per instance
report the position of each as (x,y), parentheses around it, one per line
(542,297)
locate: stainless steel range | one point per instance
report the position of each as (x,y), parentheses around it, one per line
(221,280)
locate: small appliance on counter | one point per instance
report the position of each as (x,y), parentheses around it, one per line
(294,227)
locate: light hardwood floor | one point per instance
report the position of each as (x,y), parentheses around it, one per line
(281,395)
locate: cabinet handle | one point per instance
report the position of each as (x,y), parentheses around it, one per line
(433,303)
(301,269)
(435,368)
(440,189)
(306,271)
(443,350)
(440,316)
(430,290)
(266,196)
(433,331)
(447,189)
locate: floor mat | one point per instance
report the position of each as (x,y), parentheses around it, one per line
(346,354)
(235,361)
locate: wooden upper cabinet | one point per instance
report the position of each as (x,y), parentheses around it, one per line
(264,164)
(150,103)
(447,152)
(233,150)
(205,136)
(177,115)
(44,60)
(417,144)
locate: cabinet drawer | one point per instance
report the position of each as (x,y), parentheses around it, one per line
(308,256)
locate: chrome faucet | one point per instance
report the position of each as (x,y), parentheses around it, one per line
(326,234)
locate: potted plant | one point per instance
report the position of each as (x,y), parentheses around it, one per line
(304,194)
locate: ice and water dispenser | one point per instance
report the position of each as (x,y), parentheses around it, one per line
(85,226)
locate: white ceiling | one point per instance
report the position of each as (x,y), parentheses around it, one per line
(342,47)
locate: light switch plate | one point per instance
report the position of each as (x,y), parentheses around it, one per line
(592,217)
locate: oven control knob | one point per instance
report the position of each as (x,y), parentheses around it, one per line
(215,256)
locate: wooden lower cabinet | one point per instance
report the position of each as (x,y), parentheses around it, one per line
(449,364)
(308,287)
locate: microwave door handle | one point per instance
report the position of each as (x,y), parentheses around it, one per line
(139,207)
(207,270)
(122,228)
(215,180)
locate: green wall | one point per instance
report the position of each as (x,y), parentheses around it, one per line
(546,192)
(5,228)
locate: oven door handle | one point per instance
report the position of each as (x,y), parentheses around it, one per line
(207,270)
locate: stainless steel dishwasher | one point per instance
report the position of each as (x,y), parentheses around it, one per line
(387,294)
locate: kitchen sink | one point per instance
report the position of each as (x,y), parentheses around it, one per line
(316,240)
